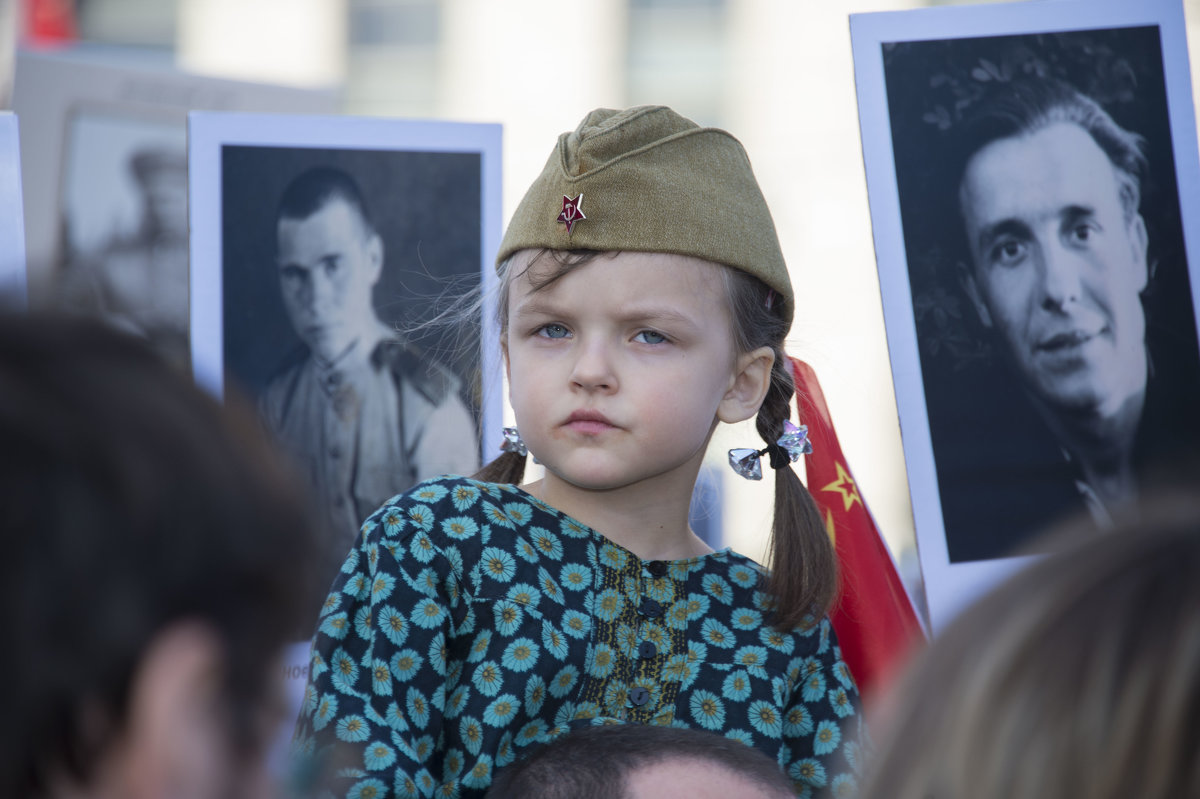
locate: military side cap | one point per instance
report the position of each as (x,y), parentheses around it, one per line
(649,180)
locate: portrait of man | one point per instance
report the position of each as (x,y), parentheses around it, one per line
(315,324)
(1050,281)
(362,411)
(136,274)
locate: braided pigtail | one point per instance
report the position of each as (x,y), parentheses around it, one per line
(508,467)
(802,560)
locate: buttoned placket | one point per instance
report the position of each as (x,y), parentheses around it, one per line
(648,669)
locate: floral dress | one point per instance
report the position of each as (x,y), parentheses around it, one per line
(473,621)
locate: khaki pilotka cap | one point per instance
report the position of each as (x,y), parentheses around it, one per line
(652,181)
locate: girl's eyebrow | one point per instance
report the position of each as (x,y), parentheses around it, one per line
(652,313)
(539,306)
(535,306)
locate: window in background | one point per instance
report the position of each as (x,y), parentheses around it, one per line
(677,49)
(393,57)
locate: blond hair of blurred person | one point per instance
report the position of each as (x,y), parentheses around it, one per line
(1079,677)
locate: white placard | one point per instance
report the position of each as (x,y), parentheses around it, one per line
(986,473)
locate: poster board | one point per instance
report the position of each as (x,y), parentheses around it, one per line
(981,377)
(431,191)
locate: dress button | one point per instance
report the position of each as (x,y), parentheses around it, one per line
(639,696)
(650,608)
(658,568)
(335,453)
(647,650)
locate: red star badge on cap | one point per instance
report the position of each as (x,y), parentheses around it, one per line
(571,213)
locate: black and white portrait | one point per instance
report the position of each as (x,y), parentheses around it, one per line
(1048,280)
(331,261)
(1050,289)
(125,256)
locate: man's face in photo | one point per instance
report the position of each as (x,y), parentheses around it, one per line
(1058,266)
(164,189)
(328,263)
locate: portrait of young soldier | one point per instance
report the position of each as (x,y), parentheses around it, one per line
(1081,398)
(364,414)
(137,279)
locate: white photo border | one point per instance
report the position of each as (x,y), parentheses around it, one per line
(13,283)
(950,586)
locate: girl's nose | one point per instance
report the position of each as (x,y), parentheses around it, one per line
(593,370)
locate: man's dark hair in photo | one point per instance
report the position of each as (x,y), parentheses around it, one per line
(1021,107)
(314,188)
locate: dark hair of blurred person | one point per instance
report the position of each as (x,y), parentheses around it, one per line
(155,563)
(642,761)
(1080,677)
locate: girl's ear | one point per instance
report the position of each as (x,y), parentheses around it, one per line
(751,379)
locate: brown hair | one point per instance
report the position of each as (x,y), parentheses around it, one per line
(803,567)
(1079,677)
(131,500)
(1021,107)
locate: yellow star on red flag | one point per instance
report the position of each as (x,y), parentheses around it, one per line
(845,486)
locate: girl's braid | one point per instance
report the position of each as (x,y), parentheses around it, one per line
(803,578)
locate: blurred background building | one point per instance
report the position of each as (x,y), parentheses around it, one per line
(776,73)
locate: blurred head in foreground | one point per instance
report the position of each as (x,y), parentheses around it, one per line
(642,761)
(1078,677)
(143,587)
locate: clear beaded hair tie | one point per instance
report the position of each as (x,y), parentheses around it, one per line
(512,442)
(787,449)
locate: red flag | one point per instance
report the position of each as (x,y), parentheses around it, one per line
(873,618)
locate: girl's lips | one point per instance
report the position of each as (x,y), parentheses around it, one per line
(588,427)
(588,422)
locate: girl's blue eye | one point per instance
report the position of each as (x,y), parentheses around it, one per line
(553,331)
(650,337)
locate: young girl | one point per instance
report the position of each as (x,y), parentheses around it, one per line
(644,299)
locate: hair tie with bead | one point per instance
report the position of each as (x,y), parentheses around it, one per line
(786,450)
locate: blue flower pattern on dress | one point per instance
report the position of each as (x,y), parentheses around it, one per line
(472,621)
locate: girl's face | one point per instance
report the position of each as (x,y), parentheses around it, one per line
(620,369)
